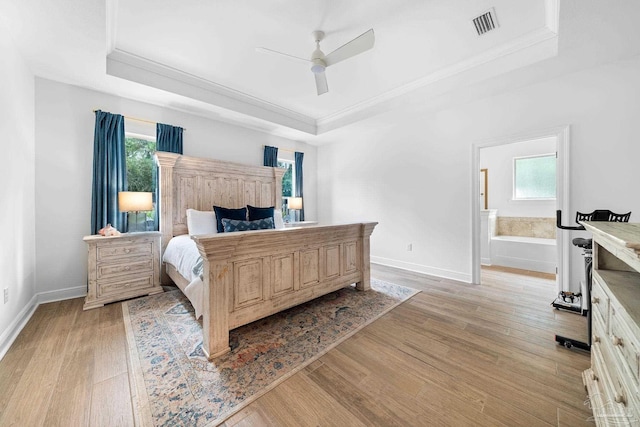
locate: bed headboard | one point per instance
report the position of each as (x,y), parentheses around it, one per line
(196,183)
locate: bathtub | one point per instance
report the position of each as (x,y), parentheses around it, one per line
(526,253)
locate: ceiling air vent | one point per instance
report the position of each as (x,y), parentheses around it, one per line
(486,22)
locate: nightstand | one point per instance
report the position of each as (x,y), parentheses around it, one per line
(121,267)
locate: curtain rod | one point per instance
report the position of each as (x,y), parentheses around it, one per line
(140,120)
(283,149)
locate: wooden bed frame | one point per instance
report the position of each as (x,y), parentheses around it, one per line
(253,274)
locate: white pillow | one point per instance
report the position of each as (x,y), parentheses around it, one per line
(201,222)
(277,218)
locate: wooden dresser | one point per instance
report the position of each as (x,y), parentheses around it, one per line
(122,267)
(613,381)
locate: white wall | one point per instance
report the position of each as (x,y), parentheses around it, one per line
(413,176)
(498,161)
(64,123)
(17,251)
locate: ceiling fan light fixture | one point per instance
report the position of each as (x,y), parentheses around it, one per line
(318,66)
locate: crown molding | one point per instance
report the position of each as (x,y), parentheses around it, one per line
(536,38)
(552,15)
(112,24)
(135,68)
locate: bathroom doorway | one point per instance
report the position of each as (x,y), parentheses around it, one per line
(518,229)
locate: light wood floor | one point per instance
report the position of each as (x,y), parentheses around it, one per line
(455,354)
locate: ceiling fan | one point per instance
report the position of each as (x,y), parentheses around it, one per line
(319,61)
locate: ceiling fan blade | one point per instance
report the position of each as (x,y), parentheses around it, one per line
(356,46)
(286,55)
(321,83)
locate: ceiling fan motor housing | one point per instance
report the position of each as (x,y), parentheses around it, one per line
(317,57)
(318,66)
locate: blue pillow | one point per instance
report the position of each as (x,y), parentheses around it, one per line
(231,225)
(259,213)
(221,213)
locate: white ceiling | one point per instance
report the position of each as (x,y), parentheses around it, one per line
(201,57)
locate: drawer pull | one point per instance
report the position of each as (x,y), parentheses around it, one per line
(617,341)
(127,268)
(595,300)
(127,250)
(596,338)
(620,399)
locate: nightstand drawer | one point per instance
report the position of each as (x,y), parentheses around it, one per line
(124,286)
(122,267)
(106,253)
(107,270)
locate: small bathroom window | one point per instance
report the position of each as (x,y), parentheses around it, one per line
(534,177)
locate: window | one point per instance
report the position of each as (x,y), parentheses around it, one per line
(534,177)
(289,178)
(141,171)
(139,153)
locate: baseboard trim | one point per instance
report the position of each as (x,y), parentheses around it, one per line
(425,269)
(525,264)
(10,335)
(14,329)
(62,294)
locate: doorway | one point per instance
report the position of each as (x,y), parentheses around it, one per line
(561,136)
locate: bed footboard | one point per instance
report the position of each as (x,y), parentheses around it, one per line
(251,275)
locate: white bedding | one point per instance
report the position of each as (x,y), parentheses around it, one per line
(183,254)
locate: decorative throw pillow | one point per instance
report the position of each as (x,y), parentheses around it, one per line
(231,225)
(201,222)
(278,222)
(239,214)
(259,213)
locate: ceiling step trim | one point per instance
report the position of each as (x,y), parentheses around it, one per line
(135,68)
(531,40)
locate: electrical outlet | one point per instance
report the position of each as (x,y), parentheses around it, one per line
(6,295)
(410,247)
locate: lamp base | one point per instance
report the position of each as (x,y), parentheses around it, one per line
(133,222)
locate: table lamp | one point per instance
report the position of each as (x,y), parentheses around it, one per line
(295,204)
(135,201)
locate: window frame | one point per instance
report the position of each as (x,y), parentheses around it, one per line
(514,182)
(150,215)
(293,176)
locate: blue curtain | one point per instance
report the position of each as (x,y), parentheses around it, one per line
(271,156)
(109,172)
(168,138)
(299,193)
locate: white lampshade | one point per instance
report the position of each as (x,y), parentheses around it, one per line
(134,201)
(295,203)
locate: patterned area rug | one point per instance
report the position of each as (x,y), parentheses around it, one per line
(173,383)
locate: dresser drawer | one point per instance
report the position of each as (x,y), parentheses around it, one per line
(107,270)
(106,253)
(603,399)
(600,301)
(622,395)
(122,287)
(598,331)
(625,344)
